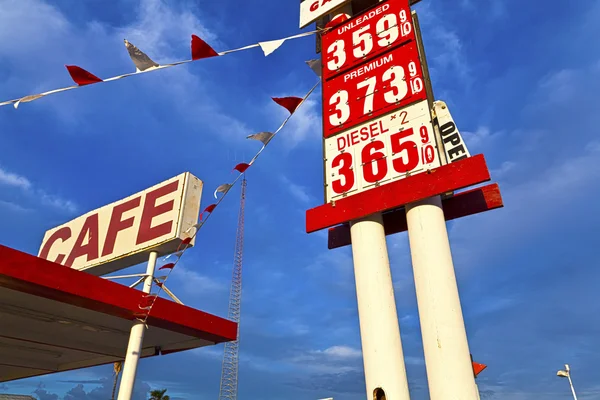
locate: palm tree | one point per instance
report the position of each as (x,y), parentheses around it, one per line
(159,395)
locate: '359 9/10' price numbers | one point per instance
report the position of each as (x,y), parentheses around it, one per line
(367,35)
(380,151)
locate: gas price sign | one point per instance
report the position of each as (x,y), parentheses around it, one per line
(379,151)
(390,81)
(367,35)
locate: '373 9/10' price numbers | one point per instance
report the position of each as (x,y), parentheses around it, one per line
(392,147)
(390,81)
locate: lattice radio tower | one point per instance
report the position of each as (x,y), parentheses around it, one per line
(229,372)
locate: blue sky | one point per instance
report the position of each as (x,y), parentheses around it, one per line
(521,81)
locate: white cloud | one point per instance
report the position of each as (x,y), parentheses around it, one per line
(162,30)
(57,202)
(13,206)
(342,352)
(193,283)
(335,359)
(25,185)
(305,124)
(526,210)
(299,192)
(503,170)
(11,179)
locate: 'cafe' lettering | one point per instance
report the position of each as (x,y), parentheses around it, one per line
(91,228)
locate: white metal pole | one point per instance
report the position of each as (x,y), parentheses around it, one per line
(571,384)
(447,358)
(383,358)
(379,329)
(136,339)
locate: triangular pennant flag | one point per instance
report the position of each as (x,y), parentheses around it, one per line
(140,59)
(270,46)
(477,368)
(210,208)
(82,77)
(184,242)
(241,167)
(168,266)
(200,49)
(264,137)
(337,20)
(27,99)
(289,103)
(224,188)
(315,65)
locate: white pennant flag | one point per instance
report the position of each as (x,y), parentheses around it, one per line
(270,46)
(224,188)
(315,65)
(264,137)
(140,59)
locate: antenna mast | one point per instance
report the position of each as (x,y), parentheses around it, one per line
(229,372)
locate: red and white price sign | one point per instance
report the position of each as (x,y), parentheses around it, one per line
(366,35)
(382,150)
(390,81)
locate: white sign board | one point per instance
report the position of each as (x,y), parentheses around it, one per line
(380,151)
(122,234)
(312,10)
(454,145)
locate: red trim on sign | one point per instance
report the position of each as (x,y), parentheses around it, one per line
(82,77)
(201,49)
(289,103)
(38,277)
(458,175)
(462,204)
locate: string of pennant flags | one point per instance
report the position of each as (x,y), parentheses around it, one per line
(170,262)
(144,64)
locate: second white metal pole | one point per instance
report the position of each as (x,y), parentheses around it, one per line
(385,372)
(136,339)
(447,358)
(572,387)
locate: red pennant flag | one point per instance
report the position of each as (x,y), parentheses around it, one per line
(184,242)
(201,49)
(242,167)
(337,20)
(168,266)
(477,368)
(289,103)
(82,77)
(210,208)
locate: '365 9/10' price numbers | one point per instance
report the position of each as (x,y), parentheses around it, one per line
(391,147)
